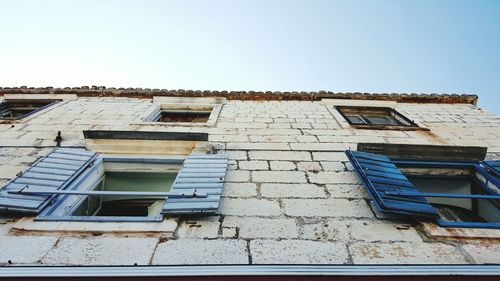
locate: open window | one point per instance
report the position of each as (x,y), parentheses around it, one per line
(453,193)
(365,117)
(185,111)
(14,109)
(78,185)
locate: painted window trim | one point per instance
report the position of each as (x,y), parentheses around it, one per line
(46,214)
(477,166)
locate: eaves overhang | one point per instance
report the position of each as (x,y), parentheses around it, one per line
(101,91)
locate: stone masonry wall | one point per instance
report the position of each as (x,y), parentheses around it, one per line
(291,196)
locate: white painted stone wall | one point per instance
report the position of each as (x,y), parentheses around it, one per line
(290,197)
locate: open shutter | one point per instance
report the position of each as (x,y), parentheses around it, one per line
(493,166)
(198,186)
(383,180)
(54,171)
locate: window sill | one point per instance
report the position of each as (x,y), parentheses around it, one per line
(27,225)
(468,233)
(385,127)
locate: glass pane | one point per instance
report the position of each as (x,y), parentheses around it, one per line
(356,120)
(382,120)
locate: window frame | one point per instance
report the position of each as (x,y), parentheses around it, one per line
(179,104)
(478,169)
(65,201)
(411,125)
(393,193)
(51,103)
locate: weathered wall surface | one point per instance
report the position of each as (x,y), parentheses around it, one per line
(290,195)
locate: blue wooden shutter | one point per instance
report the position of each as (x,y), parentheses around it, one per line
(54,171)
(493,166)
(198,186)
(379,175)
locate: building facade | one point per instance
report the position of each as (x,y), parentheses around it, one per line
(290,195)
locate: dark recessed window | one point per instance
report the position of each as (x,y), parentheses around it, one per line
(374,116)
(17,109)
(139,205)
(184,116)
(451,209)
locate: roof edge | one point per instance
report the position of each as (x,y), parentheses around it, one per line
(102,91)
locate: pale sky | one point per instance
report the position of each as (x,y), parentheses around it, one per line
(433,46)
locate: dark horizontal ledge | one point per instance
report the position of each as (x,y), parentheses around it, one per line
(146,135)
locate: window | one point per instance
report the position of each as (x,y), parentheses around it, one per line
(374,117)
(78,185)
(454,193)
(185,110)
(118,189)
(18,109)
(183,116)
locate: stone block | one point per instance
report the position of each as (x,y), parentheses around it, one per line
(483,253)
(329,156)
(405,253)
(200,251)
(253,165)
(378,230)
(346,191)
(239,189)
(237,176)
(280,155)
(279,176)
(309,166)
(298,252)
(334,177)
(251,228)
(286,190)
(282,165)
(327,208)
(199,227)
(326,230)
(102,251)
(24,249)
(249,207)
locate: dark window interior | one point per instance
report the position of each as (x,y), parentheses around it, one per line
(374,116)
(17,109)
(458,209)
(184,116)
(127,205)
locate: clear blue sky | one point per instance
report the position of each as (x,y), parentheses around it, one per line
(432,46)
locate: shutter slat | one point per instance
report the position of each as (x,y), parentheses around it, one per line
(379,175)
(47,176)
(64,162)
(199,180)
(50,171)
(67,156)
(58,167)
(54,171)
(204,166)
(203,173)
(201,185)
(493,166)
(204,170)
